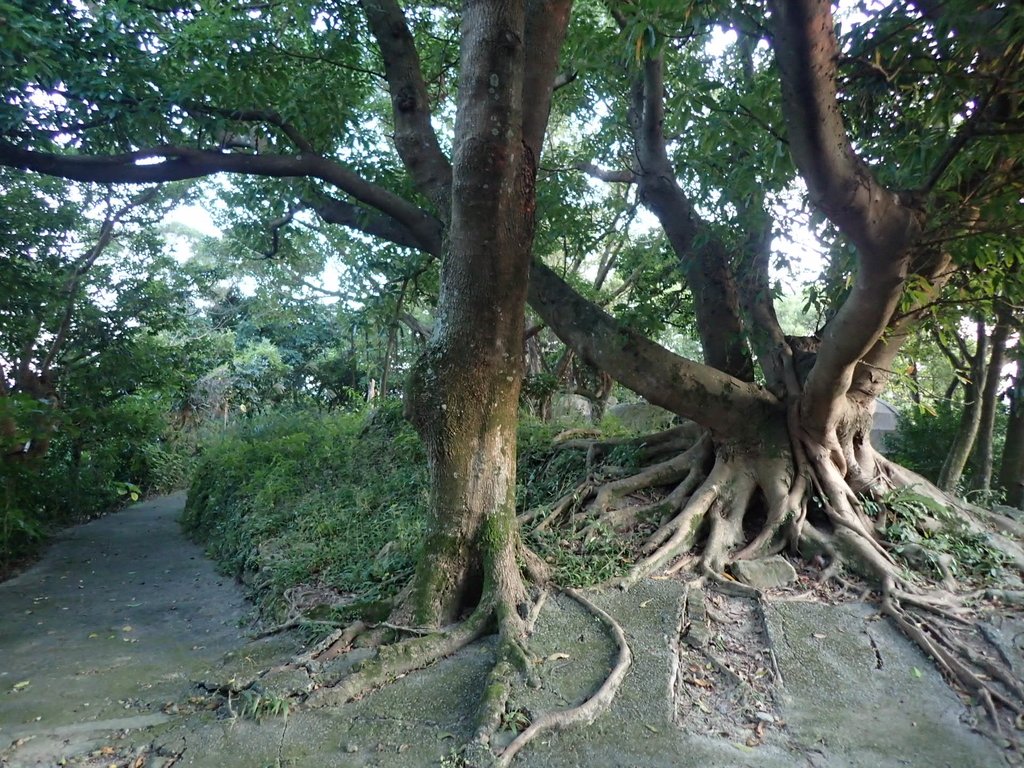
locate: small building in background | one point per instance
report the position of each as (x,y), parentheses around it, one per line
(885,423)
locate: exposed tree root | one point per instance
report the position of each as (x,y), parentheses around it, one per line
(687,450)
(593,707)
(954,657)
(398,659)
(336,682)
(746,506)
(712,507)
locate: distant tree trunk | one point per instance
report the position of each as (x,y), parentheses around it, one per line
(915,391)
(538,401)
(970,418)
(391,348)
(983,457)
(1011,472)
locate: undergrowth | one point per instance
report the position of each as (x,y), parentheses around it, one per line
(323,514)
(312,509)
(919,524)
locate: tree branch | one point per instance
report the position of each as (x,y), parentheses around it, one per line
(415,138)
(546,24)
(606,174)
(970,127)
(874,218)
(335,211)
(729,407)
(806,49)
(82,267)
(172,163)
(873,372)
(702,256)
(268,116)
(753,279)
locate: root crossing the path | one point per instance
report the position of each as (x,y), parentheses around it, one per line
(688,504)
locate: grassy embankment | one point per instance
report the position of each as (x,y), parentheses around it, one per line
(309,508)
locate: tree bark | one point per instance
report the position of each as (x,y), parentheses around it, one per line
(702,256)
(731,408)
(1011,471)
(464,390)
(874,218)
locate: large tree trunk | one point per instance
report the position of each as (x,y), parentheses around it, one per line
(464,391)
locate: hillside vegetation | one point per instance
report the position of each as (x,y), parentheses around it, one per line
(322,515)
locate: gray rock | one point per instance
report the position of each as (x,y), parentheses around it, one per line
(1011,512)
(641,417)
(770,573)
(574,408)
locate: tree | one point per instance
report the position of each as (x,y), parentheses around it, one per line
(55,261)
(912,170)
(88,304)
(1011,471)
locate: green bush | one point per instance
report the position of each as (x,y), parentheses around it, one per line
(95,455)
(327,501)
(922,439)
(336,503)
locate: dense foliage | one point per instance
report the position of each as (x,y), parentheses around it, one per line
(333,502)
(333,507)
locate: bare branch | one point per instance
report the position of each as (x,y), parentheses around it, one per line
(173,163)
(605,174)
(419,329)
(702,255)
(268,116)
(873,217)
(874,370)
(806,49)
(277,225)
(563,79)
(335,211)
(726,405)
(546,24)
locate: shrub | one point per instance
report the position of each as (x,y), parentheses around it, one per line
(331,502)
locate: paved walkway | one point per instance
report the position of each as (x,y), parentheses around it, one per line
(103,642)
(118,618)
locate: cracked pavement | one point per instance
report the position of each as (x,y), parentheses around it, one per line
(107,641)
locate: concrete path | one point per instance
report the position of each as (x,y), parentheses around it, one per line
(103,642)
(116,620)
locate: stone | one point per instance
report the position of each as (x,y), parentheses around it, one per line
(770,573)
(1011,512)
(641,417)
(574,408)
